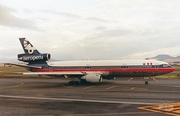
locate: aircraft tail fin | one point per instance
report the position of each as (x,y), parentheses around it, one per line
(32,55)
(28,47)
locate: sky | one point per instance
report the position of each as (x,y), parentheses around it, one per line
(91,29)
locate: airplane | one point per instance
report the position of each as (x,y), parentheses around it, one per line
(93,71)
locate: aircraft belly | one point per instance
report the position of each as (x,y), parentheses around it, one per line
(134,74)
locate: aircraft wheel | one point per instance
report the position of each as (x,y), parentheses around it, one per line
(146,82)
(73,82)
(76,83)
(83,81)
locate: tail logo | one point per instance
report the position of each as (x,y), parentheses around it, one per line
(28,46)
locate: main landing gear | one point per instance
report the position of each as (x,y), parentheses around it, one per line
(77,82)
(73,83)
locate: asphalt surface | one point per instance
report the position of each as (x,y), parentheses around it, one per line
(120,97)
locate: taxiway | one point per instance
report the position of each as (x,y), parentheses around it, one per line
(124,97)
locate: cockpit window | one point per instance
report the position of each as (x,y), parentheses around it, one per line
(166,65)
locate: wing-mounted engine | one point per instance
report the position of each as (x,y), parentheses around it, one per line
(34,57)
(92,78)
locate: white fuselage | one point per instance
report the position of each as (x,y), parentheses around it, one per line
(108,68)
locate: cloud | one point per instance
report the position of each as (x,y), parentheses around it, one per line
(100,27)
(105,29)
(115,33)
(68,15)
(7,19)
(27,11)
(96,19)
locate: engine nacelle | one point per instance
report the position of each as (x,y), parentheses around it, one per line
(34,57)
(92,78)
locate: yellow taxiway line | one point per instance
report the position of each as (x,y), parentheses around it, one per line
(155,79)
(177,86)
(172,109)
(88,87)
(13,86)
(110,87)
(132,88)
(130,79)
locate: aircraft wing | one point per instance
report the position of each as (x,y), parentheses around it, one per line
(22,65)
(80,73)
(53,73)
(61,73)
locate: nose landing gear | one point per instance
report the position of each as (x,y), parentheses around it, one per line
(146,80)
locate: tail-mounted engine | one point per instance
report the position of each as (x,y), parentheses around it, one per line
(34,57)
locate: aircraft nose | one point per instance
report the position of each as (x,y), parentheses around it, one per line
(172,69)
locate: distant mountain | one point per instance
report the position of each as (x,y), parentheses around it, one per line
(163,57)
(178,57)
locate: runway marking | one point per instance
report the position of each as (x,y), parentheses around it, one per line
(155,79)
(77,100)
(172,109)
(177,86)
(13,86)
(16,85)
(107,114)
(88,87)
(130,79)
(138,89)
(132,88)
(110,87)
